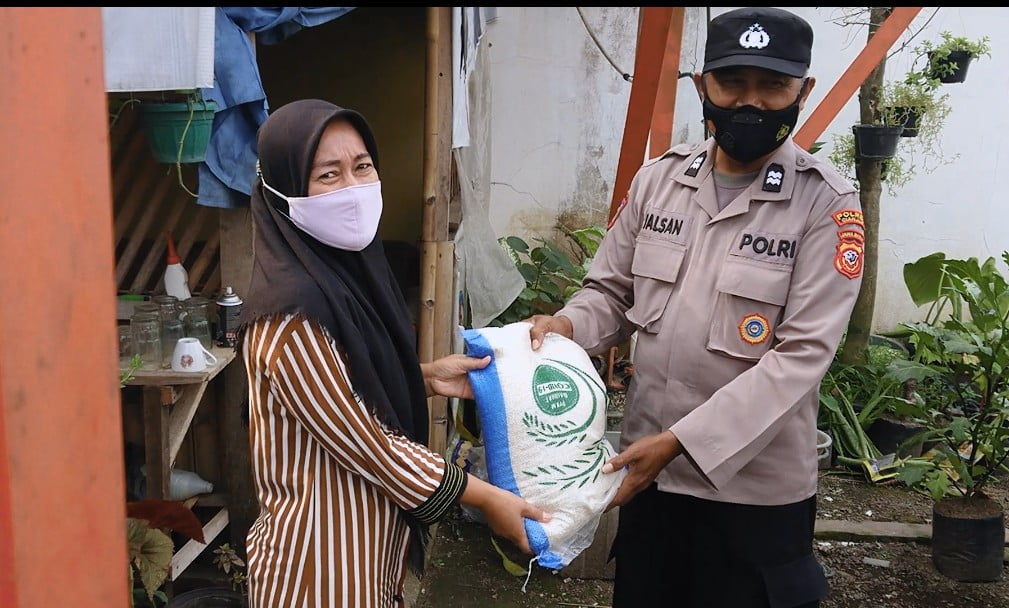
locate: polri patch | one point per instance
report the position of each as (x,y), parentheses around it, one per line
(623,203)
(696,164)
(773,177)
(849,259)
(851,236)
(754,328)
(850,216)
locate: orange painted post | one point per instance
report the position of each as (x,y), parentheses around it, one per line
(8,586)
(665,99)
(62,503)
(654,31)
(849,82)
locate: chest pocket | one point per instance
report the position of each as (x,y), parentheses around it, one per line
(748,308)
(655,267)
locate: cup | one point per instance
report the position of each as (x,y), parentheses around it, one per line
(190,356)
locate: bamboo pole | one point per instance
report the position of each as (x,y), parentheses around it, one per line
(437,266)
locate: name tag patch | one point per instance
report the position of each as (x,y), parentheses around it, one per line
(754,328)
(766,247)
(666,225)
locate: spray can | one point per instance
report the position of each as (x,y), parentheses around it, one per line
(229,307)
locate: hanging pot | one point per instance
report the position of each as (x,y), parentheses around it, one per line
(907,116)
(968,536)
(876,141)
(959,60)
(178,132)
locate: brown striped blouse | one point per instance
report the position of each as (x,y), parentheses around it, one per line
(331,480)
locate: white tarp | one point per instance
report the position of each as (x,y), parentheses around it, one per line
(489,277)
(158,48)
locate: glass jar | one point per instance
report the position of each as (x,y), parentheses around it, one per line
(169,312)
(145,325)
(196,311)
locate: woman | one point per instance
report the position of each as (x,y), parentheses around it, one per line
(338,411)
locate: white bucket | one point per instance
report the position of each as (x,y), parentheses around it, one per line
(823,445)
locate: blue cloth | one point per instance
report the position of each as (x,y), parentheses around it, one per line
(227,173)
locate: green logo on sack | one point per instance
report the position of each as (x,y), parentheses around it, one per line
(554,391)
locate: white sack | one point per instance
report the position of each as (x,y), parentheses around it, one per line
(543,419)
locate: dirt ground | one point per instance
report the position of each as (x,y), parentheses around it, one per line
(466,572)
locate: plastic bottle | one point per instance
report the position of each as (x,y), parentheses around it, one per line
(184,484)
(176,277)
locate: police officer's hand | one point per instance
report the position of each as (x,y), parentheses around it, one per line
(542,324)
(644,459)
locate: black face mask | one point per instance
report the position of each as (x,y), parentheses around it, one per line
(748,133)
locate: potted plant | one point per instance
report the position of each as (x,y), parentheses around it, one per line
(960,358)
(178,127)
(894,172)
(149,546)
(917,103)
(949,59)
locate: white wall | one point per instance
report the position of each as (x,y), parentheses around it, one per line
(558,113)
(559,109)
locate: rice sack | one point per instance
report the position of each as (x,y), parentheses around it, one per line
(543,418)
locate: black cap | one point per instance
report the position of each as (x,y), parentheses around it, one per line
(762,37)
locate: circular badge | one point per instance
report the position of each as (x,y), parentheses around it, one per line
(754,328)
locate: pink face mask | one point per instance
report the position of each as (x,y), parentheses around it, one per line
(346,218)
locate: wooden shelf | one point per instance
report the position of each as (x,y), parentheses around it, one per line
(170,402)
(168,377)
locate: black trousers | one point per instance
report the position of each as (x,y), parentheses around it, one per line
(675,550)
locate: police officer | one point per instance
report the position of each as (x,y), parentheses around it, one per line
(737,261)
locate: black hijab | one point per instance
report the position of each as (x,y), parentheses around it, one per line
(352,294)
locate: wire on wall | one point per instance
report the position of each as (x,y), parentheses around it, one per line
(592,35)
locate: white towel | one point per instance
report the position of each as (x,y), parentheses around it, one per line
(543,418)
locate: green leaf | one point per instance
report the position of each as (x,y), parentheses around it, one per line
(150,553)
(511,567)
(924,278)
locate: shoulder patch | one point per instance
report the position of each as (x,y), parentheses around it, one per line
(849,216)
(773,177)
(696,164)
(616,214)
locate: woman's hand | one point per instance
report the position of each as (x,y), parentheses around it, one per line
(447,376)
(505,512)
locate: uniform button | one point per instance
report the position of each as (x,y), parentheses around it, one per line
(801,161)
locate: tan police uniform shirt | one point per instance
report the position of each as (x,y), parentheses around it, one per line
(738,313)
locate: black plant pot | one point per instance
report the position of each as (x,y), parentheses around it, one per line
(960,61)
(892,436)
(907,116)
(209,597)
(968,537)
(876,141)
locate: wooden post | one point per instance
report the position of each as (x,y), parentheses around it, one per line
(849,82)
(232,385)
(665,98)
(655,23)
(434,332)
(62,488)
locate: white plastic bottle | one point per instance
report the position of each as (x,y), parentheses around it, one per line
(176,277)
(184,484)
